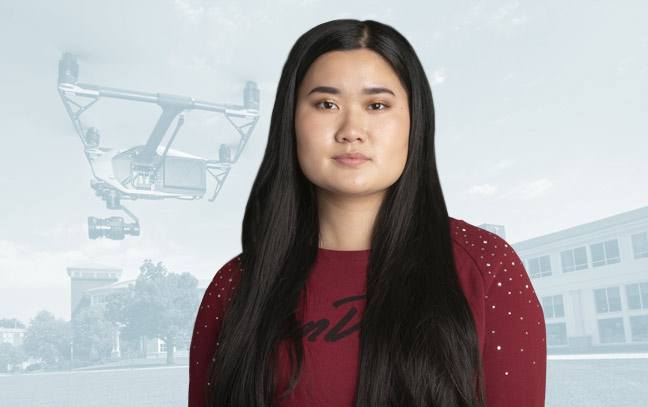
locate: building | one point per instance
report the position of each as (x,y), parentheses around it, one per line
(91,284)
(592,281)
(87,276)
(14,336)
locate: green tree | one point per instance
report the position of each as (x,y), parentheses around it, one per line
(48,338)
(92,332)
(161,305)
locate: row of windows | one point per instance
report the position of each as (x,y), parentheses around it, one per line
(611,330)
(11,337)
(605,300)
(94,275)
(601,253)
(609,299)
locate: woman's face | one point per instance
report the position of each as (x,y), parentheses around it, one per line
(352,101)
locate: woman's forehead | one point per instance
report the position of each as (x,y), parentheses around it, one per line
(362,72)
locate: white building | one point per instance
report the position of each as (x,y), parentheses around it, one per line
(592,281)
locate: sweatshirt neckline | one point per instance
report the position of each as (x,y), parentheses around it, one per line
(344,255)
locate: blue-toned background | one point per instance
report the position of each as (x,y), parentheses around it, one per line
(540,128)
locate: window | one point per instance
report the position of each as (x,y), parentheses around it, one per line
(637,295)
(640,245)
(163,346)
(575,259)
(611,330)
(539,266)
(639,328)
(553,306)
(556,334)
(605,253)
(607,300)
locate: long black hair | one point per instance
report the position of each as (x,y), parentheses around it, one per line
(418,340)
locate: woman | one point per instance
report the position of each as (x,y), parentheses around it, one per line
(354,286)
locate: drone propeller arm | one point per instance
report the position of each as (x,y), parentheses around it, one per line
(162,99)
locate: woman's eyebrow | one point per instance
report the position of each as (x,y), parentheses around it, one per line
(336,91)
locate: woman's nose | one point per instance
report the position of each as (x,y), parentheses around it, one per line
(352,125)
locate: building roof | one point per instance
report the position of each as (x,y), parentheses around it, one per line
(93,266)
(584,229)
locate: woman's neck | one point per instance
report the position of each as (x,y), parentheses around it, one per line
(346,222)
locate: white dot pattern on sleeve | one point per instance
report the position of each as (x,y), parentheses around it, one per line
(508,286)
(207,328)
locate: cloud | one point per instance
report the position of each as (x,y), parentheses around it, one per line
(483,190)
(505,14)
(438,76)
(188,12)
(504,18)
(62,230)
(625,66)
(500,165)
(528,190)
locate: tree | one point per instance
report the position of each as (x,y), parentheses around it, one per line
(160,305)
(10,356)
(48,338)
(10,323)
(92,332)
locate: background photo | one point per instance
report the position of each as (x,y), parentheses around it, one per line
(540,137)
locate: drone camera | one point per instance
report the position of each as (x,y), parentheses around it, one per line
(112,228)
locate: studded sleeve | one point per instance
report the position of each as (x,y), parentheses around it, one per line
(515,348)
(206,332)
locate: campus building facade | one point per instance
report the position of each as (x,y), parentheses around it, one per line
(592,281)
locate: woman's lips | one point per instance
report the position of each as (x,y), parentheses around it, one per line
(351,161)
(353,154)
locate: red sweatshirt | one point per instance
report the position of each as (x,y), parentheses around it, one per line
(509,321)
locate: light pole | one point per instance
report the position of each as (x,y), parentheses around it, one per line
(71,353)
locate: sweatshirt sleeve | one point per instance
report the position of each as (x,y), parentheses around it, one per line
(515,348)
(205,334)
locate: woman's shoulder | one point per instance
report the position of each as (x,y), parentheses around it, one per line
(226,279)
(230,269)
(509,317)
(485,250)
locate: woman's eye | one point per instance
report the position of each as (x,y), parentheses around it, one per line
(326,104)
(330,105)
(378,103)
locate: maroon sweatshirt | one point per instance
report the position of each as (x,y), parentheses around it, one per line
(509,321)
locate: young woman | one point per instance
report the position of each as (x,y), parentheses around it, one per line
(354,286)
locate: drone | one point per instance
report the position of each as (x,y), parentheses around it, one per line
(149,171)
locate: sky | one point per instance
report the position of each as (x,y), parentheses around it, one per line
(540,112)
